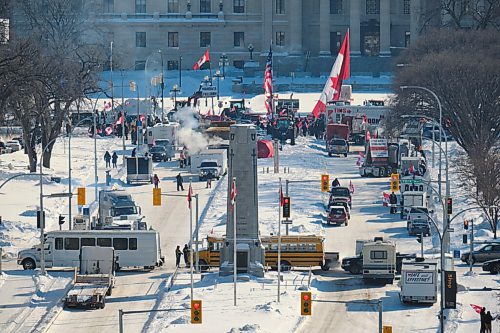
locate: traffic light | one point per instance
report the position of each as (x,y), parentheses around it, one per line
(305,303)
(464,239)
(196,312)
(81,196)
(395,182)
(157,197)
(419,238)
(61,219)
(325,183)
(466,224)
(286,207)
(38,221)
(449,205)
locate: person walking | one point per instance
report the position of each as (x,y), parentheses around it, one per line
(133,152)
(114,159)
(107,159)
(393,200)
(335,182)
(178,254)
(185,252)
(156,180)
(488,318)
(179,180)
(209,182)
(482,316)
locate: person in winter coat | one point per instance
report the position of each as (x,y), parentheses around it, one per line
(185,252)
(107,159)
(181,160)
(114,159)
(488,318)
(209,182)
(393,200)
(482,315)
(335,182)
(178,254)
(156,180)
(133,152)
(179,180)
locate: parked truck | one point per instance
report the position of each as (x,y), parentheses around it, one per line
(209,163)
(378,162)
(163,131)
(419,281)
(412,199)
(117,210)
(337,139)
(139,170)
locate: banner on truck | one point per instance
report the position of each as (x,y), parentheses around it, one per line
(378,148)
(419,277)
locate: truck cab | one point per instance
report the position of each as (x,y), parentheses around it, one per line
(209,169)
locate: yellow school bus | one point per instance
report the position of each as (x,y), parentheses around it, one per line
(296,251)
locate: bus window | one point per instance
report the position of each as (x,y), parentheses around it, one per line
(132,243)
(104,242)
(311,247)
(59,243)
(71,243)
(88,241)
(302,247)
(291,248)
(218,246)
(120,243)
(274,247)
(286,247)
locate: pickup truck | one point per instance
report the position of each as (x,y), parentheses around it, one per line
(210,170)
(354,265)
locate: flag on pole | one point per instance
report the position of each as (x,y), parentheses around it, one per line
(361,159)
(477,308)
(412,169)
(281,196)
(351,186)
(204,59)
(142,117)
(268,82)
(340,72)
(234,193)
(368,136)
(190,196)
(120,120)
(108,130)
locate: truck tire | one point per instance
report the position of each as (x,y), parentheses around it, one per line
(325,267)
(381,172)
(329,154)
(109,292)
(346,223)
(355,269)
(203,265)
(345,154)
(285,266)
(28,264)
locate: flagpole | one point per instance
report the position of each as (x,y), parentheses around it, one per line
(210,68)
(235,266)
(273,108)
(279,243)
(191,236)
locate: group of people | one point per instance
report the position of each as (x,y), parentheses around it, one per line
(108,158)
(184,252)
(184,158)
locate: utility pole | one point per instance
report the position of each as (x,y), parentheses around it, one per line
(162,86)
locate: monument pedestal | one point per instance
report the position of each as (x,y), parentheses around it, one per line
(249,258)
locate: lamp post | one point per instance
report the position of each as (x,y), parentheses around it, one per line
(223,63)
(219,77)
(250,49)
(175,89)
(133,87)
(162,84)
(180,71)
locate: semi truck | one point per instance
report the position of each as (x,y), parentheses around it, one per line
(117,209)
(419,281)
(94,280)
(139,170)
(337,139)
(380,159)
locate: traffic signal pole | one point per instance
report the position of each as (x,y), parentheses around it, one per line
(471,244)
(286,195)
(279,243)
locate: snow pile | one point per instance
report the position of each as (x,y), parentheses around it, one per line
(15,236)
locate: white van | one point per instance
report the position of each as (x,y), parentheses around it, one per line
(133,248)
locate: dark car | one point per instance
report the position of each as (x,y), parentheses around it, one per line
(492,266)
(159,153)
(341,192)
(486,253)
(354,265)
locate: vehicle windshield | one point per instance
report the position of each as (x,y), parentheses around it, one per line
(337,211)
(421,210)
(340,192)
(157,149)
(119,211)
(283,123)
(209,165)
(337,142)
(340,203)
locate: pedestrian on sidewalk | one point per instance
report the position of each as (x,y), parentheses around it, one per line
(209,182)
(488,318)
(156,180)
(179,180)
(185,252)
(482,316)
(178,254)
(107,159)
(114,159)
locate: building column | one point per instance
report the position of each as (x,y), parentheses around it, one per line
(385,28)
(267,26)
(415,13)
(324,28)
(295,27)
(354,28)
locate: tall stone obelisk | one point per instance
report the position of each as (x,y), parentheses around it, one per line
(243,165)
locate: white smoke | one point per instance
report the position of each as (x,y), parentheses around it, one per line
(187,135)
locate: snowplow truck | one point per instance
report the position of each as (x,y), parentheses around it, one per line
(337,139)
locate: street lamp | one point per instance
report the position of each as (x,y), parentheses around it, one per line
(162,84)
(175,89)
(223,63)
(219,77)
(250,49)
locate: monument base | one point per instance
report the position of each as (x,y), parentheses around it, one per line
(249,257)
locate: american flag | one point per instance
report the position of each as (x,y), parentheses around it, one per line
(268,82)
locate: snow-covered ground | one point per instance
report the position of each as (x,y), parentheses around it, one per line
(23,295)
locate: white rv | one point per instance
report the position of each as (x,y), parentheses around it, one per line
(163,132)
(134,248)
(419,282)
(379,260)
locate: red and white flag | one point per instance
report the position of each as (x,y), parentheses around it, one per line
(351,186)
(234,193)
(108,130)
(477,308)
(142,117)
(361,159)
(120,120)
(340,72)
(281,196)
(268,82)
(107,106)
(204,59)
(368,136)
(412,169)
(190,196)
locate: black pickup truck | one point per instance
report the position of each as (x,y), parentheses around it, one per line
(354,265)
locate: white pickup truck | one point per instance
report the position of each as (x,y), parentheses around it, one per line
(95,279)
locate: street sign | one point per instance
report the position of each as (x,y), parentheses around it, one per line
(456,254)
(410,181)
(209,91)
(287,221)
(450,289)
(451,229)
(81,196)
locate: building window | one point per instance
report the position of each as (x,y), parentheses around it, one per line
(239,39)
(173,39)
(280,38)
(280,6)
(205,6)
(140,39)
(204,39)
(140,65)
(372,6)
(172,65)
(140,6)
(173,6)
(335,42)
(406,7)
(407,38)
(238,64)
(238,6)
(109,6)
(335,6)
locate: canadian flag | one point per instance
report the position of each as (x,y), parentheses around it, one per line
(120,120)
(107,106)
(204,59)
(281,196)
(361,159)
(368,136)
(108,130)
(351,187)
(190,195)
(142,117)
(234,193)
(477,308)
(340,72)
